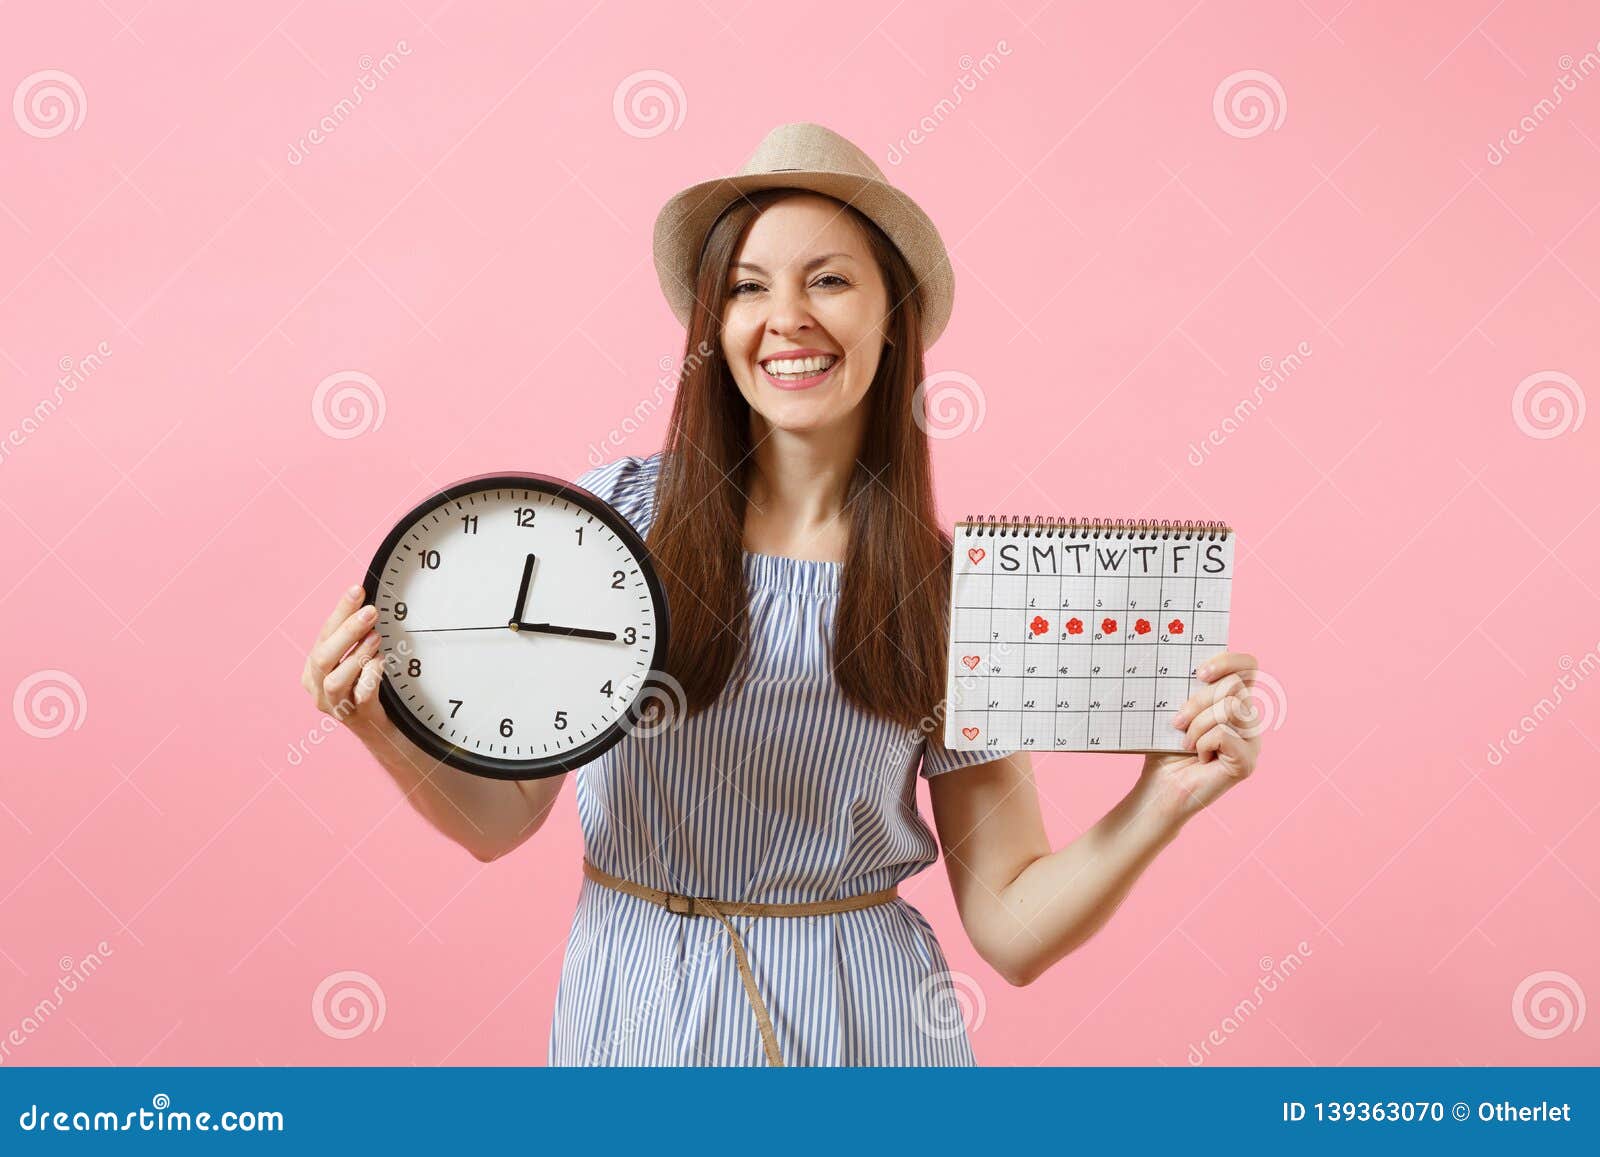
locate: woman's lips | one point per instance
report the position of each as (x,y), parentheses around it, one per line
(799,383)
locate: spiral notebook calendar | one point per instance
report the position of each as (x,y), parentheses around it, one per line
(1081,635)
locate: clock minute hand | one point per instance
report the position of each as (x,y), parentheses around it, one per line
(575,632)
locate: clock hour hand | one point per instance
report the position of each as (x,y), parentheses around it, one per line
(522,591)
(552,629)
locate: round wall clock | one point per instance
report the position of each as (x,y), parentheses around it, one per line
(521,622)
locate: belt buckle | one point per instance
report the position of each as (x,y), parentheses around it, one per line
(673,901)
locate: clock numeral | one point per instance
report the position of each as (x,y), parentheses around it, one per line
(561,720)
(605,688)
(400,612)
(629,635)
(579,529)
(455,705)
(524,515)
(429,559)
(414,668)
(469,524)
(505,728)
(616,580)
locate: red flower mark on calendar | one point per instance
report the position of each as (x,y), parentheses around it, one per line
(1175,627)
(1108,626)
(976,555)
(970,662)
(1038,626)
(1142,626)
(970,732)
(1074,626)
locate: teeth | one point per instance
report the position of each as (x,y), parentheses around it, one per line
(798,367)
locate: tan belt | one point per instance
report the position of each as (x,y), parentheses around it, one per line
(700,906)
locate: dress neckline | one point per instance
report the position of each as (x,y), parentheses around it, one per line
(781,572)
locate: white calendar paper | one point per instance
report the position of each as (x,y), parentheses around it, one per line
(1075,636)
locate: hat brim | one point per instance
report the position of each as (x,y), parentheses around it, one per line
(683,222)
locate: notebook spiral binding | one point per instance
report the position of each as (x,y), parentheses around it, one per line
(1063,526)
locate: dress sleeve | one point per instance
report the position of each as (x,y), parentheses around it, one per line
(938,759)
(628,484)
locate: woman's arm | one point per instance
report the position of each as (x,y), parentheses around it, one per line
(1025,907)
(488,817)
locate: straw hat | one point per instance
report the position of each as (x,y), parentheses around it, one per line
(806,156)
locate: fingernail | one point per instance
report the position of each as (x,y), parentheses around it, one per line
(1204,672)
(369,612)
(1179,722)
(353,593)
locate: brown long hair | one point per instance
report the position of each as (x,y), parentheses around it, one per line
(888,650)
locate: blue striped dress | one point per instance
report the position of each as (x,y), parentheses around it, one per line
(780,792)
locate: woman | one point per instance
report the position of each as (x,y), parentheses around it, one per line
(739,904)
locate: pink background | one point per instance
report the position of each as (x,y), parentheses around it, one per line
(1416,564)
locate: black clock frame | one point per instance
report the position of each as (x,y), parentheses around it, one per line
(544,766)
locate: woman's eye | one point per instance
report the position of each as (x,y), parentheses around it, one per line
(742,286)
(833,277)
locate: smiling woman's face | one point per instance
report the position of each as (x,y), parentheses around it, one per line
(806,314)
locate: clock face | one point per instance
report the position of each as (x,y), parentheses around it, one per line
(521,621)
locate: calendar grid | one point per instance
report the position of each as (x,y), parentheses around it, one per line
(1081,636)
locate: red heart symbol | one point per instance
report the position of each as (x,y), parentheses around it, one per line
(1038,626)
(976,555)
(1175,627)
(1074,626)
(971,662)
(1108,626)
(1142,626)
(970,732)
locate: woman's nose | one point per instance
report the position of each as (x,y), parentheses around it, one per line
(789,311)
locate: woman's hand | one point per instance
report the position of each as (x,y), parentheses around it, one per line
(1223,731)
(343,669)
